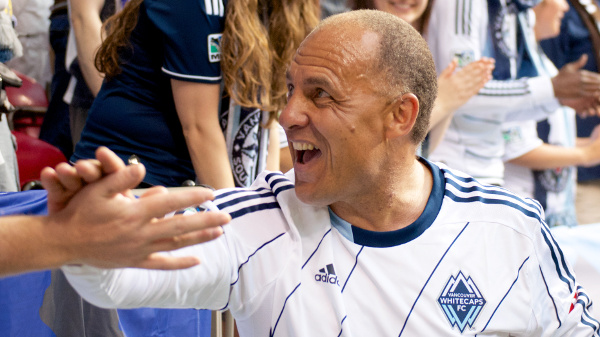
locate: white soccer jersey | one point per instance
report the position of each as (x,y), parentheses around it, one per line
(478,261)
(473,142)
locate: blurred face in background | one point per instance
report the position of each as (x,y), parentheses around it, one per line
(410,11)
(548,15)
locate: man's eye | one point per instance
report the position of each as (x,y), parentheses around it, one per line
(290,91)
(322,94)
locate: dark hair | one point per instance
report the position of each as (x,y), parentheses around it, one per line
(404,60)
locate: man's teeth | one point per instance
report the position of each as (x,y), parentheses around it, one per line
(304,146)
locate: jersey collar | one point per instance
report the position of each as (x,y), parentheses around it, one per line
(368,238)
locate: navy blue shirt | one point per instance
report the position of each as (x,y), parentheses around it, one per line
(574,41)
(134,112)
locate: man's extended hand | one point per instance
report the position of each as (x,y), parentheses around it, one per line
(95,220)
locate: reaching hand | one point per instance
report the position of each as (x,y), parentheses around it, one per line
(64,182)
(96,221)
(574,82)
(584,106)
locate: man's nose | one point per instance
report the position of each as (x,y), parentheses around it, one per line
(294,114)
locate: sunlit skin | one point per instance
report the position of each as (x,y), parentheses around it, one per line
(334,107)
(549,14)
(410,11)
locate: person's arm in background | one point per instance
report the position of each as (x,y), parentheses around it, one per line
(455,88)
(525,98)
(197,106)
(546,156)
(93,220)
(273,151)
(87,27)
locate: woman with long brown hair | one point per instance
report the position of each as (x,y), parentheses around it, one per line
(164,62)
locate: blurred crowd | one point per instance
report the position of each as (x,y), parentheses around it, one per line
(193,89)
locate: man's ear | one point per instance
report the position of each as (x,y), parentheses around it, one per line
(402,116)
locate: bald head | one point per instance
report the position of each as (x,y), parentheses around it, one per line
(402,63)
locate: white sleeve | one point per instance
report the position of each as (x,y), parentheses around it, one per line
(231,274)
(204,286)
(522,99)
(560,305)
(519,138)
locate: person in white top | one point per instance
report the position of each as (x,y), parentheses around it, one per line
(547,171)
(363,238)
(468,30)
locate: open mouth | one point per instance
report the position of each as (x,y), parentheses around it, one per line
(305,152)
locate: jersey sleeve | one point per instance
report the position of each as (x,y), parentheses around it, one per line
(561,306)
(205,286)
(519,138)
(236,269)
(192,33)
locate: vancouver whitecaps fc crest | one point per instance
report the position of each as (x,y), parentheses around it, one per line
(461,301)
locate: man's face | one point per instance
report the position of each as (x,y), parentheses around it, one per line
(334,118)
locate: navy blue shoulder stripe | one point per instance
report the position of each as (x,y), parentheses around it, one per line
(275,174)
(240,191)
(429,278)
(484,200)
(509,289)
(589,320)
(550,241)
(282,188)
(274,182)
(254,208)
(279,178)
(581,292)
(245,197)
(586,303)
(554,249)
(490,190)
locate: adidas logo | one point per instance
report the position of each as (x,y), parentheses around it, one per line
(327,275)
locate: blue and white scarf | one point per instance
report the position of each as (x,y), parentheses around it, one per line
(499,11)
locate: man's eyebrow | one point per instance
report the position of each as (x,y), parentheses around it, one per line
(317,81)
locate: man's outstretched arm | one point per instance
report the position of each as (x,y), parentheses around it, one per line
(94,220)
